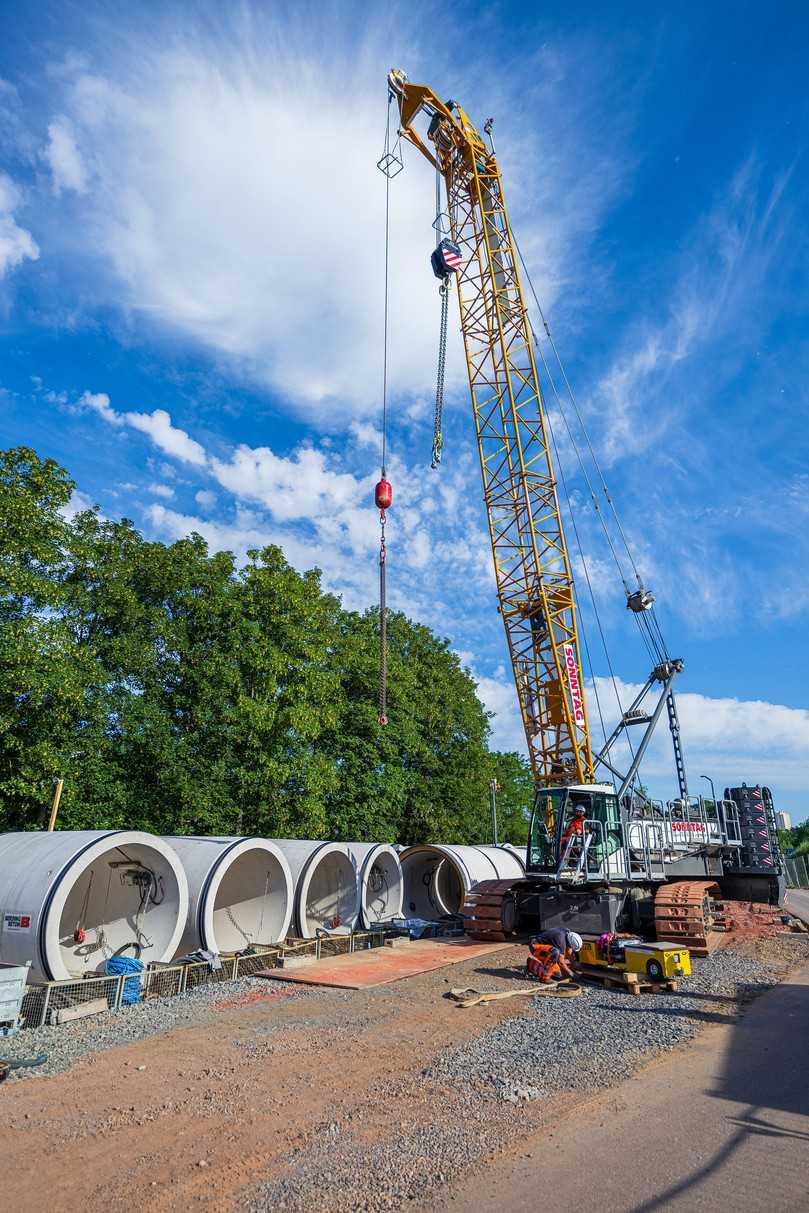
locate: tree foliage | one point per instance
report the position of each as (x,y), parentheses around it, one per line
(179,693)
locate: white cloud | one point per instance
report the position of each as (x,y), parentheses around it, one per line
(16,243)
(67,167)
(236,198)
(161,490)
(729,739)
(158,426)
(78,503)
(499,696)
(205,498)
(99,402)
(246,531)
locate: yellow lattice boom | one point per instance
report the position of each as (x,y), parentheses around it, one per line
(534,581)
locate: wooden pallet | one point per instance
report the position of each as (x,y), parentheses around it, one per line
(632,983)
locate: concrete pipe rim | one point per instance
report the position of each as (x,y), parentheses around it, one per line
(50,949)
(219,868)
(307,929)
(382,848)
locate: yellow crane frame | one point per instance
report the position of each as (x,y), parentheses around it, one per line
(534,580)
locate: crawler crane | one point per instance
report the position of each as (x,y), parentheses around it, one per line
(601,854)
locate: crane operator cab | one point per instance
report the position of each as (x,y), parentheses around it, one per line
(574,831)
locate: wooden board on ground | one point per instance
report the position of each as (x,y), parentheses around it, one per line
(66,1014)
(632,983)
(379,966)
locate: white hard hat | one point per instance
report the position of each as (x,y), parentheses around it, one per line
(575,941)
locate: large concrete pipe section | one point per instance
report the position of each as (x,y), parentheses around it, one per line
(240,893)
(70,900)
(326,887)
(520,852)
(437,878)
(379,878)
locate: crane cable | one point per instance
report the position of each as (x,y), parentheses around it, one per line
(579,545)
(649,630)
(443,291)
(390,164)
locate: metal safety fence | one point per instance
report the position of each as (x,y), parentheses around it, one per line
(58,1002)
(797,872)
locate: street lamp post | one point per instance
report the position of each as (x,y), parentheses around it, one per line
(494,788)
(708,779)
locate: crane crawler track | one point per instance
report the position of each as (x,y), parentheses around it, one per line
(686,913)
(490,910)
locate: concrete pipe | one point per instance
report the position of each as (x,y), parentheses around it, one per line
(326,887)
(379,877)
(520,852)
(438,877)
(240,892)
(72,899)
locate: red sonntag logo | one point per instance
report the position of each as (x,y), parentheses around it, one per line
(25,920)
(574,684)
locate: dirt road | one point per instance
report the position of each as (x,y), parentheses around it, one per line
(333,1100)
(202,1114)
(723,1125)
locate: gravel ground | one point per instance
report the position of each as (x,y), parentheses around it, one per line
(67,1043)
(471,1097)
(601,1036)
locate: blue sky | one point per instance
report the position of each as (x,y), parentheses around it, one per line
(191,227)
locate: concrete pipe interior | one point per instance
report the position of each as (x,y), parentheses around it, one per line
(72,900)
(124,902)
(381,886)
(241,893)
(252,902)
(327,897)
(433,885)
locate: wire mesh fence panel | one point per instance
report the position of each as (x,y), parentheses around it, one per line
(202,973)
(163,982)
(797,872)
(32,1011)
(68,1000)
(246,966)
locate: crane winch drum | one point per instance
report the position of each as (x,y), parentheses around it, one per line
(73,899)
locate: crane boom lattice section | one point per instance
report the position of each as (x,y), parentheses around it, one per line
(534,580)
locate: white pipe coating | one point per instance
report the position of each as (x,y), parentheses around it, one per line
(326,886)
(240,893)
(438,877)
(381,886)
(520,852)
(72,899)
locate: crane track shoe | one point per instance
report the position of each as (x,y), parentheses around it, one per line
(490,910)
(685,913)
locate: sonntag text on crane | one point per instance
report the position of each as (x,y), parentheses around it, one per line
(573,684)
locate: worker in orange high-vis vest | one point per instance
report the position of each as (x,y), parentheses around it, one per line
(576,827)
(550,954)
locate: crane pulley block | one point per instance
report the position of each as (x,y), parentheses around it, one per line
(446,259)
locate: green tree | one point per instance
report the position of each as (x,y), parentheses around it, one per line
(43,676)
(423,776)
(178,693)
(515,797)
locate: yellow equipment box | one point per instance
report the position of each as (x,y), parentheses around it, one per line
(657,961)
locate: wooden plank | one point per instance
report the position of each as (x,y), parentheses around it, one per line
(66,1014)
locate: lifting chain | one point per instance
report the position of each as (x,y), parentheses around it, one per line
(383,627)
(438,437)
